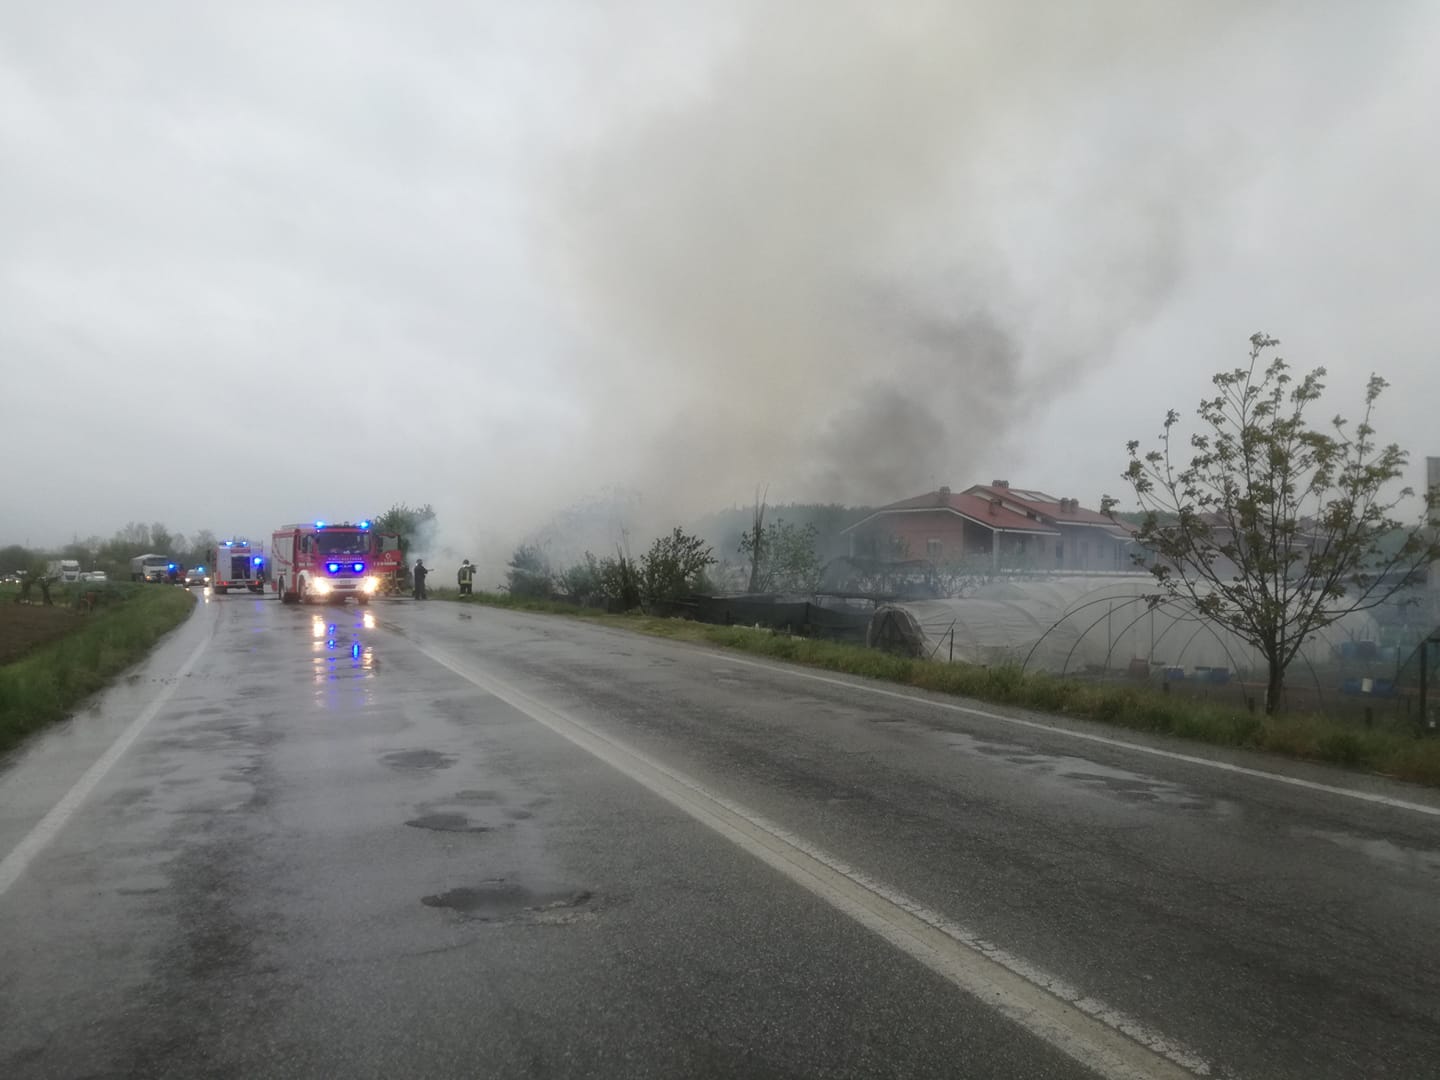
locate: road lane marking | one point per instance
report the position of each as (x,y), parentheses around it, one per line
(1103,1039)
(1154,751)
(48,827)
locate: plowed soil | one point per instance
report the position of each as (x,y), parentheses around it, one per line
(26,626)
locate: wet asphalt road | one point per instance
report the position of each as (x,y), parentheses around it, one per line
(375,846)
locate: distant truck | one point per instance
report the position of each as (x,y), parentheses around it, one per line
(239,564)
(316,562)
(150,568)
(66,570)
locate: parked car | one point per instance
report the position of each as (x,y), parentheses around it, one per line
(96,576)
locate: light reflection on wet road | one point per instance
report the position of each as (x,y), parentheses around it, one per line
(329,854)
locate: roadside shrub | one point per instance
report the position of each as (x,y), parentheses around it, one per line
(529,575)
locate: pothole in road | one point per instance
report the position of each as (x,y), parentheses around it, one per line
(447,823)
(418,760)
(497,899)
(476,796)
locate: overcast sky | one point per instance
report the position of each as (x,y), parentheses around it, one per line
(274,261)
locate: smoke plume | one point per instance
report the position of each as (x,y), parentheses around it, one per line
(850,253)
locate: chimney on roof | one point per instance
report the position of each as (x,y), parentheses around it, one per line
(1000,483)
(995,506)
(943,494)
(1067,506)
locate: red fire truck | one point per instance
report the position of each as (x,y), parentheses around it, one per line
(316,562)
(238,564)
(388,562)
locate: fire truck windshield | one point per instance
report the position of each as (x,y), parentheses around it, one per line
(342,543)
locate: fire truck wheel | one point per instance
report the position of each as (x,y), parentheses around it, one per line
(362,600)
(222,589)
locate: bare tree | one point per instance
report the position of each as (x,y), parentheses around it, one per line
(1276,529)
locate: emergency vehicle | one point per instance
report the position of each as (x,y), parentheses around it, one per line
(239,564)
(388,562)
(317,562)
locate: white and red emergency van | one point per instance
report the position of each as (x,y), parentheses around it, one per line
(316,563)
(238,564)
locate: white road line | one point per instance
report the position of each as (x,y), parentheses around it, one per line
(1173,755)
(1097,1036)
(46,829)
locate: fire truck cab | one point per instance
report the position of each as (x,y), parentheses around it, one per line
(316,563)
(238,564)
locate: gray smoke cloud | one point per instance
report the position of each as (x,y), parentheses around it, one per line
(505,257)
(867,238)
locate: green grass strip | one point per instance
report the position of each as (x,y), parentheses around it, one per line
(44,685)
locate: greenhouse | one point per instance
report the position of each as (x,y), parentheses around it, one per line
(1069,625)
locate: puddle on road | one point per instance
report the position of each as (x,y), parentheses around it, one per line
(1122,784)
(1384,852)
(474,810)
(457,823)
(497,899)
(418,760)
(473,795)
(1075,772)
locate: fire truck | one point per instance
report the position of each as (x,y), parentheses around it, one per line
(316,562)
(388,562)
(238,564)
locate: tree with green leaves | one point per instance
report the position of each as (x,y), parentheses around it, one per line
(783,557)
(404,521)
(672,565)
(620,581)
(1274,528)
(15,557)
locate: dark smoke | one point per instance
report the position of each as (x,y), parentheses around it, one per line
(857,253)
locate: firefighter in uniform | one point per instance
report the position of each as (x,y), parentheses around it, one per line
(420,573)
(466,578)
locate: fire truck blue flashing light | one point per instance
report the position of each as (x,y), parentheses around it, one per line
(364,524)
(319,524)
(170,567)
(257,560)
(333,567)
(358,567)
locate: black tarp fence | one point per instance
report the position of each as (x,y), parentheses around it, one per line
(806,617)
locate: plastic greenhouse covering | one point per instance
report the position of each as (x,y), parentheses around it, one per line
(1074,624)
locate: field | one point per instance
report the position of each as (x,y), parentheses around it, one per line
(26,626)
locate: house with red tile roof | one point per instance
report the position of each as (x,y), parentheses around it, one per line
(1012,528)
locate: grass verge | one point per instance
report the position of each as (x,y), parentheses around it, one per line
(1313,737)
(47,682)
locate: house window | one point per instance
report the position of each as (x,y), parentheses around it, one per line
(933,549)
